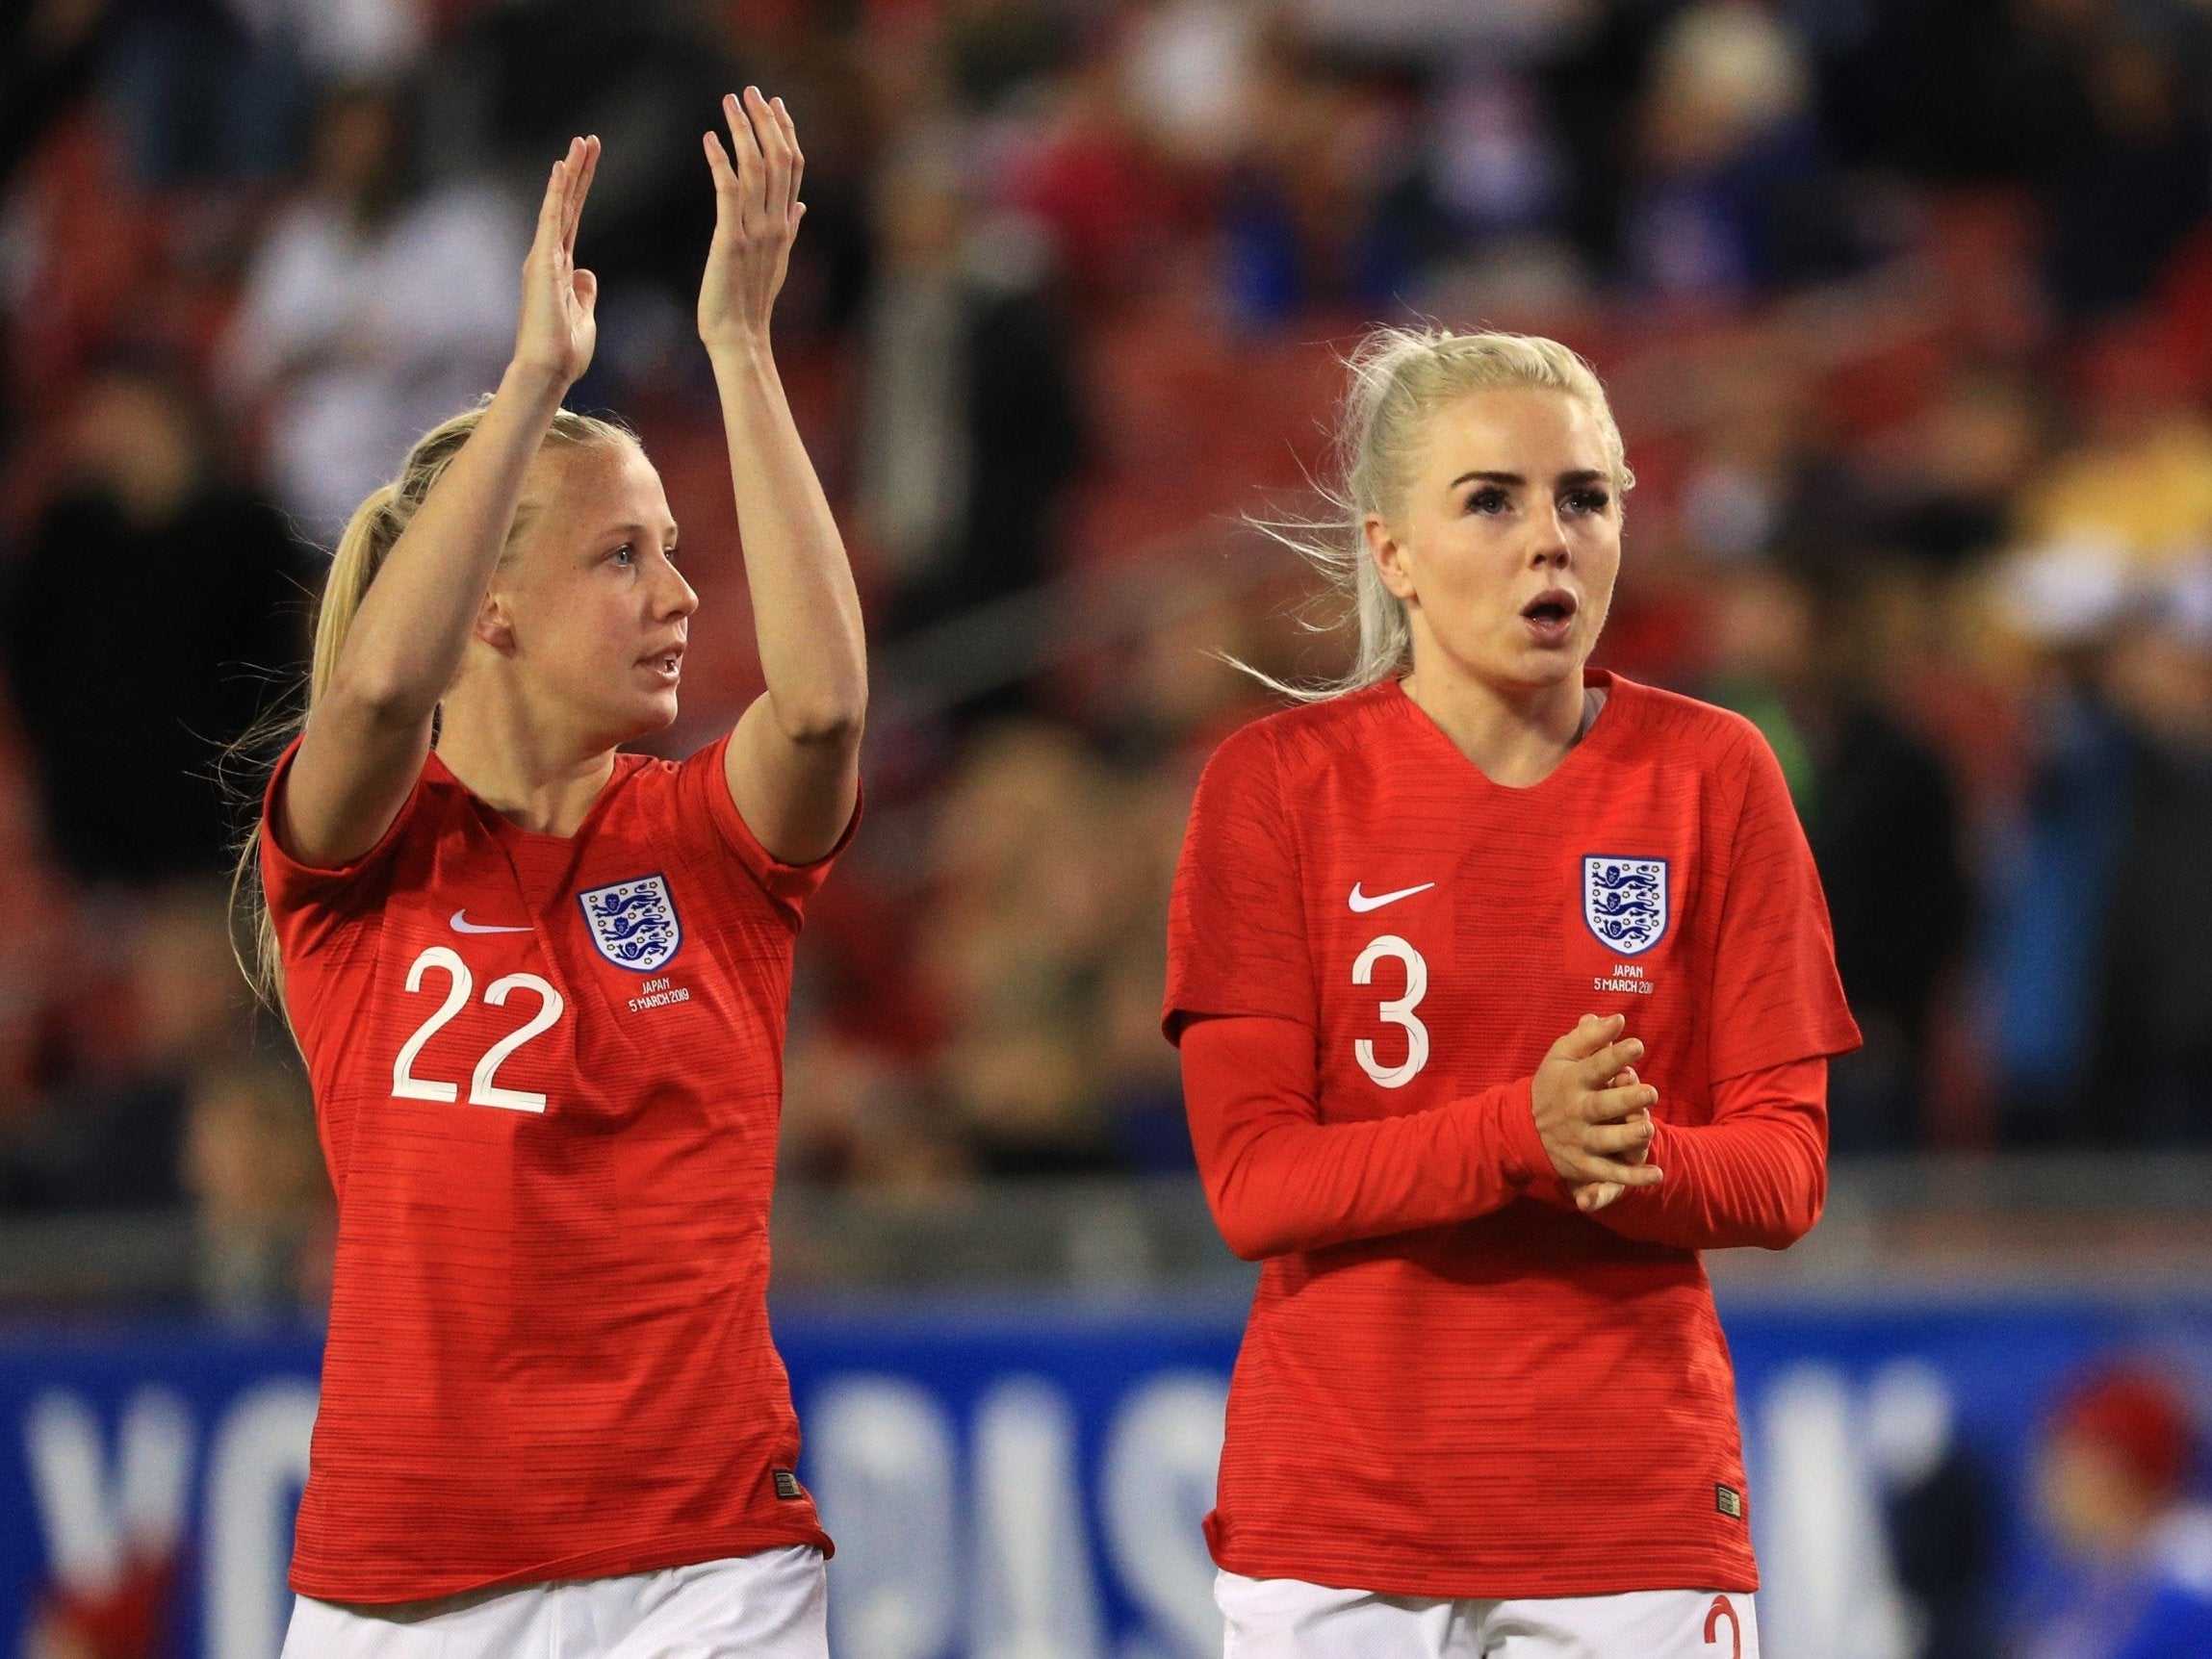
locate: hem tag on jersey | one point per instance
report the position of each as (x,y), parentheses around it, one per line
(787,1485)
(1729,1501)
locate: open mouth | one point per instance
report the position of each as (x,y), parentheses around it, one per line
(664,662)
(1548,614)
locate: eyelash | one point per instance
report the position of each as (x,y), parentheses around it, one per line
(626,555)
(1490,498)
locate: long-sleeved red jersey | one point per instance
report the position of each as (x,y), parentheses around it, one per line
(1454,1384)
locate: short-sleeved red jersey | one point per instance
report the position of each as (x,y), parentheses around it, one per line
(548,1076)
(1528,1401)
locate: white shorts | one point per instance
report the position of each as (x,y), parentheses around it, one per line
(1288,1619)
(764,1606)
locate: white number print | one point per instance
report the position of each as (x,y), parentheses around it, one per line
(1396,1011)
(482,1089)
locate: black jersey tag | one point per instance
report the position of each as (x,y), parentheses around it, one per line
(787,1485)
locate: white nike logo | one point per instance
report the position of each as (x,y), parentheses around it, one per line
(1361,904)
(462,925)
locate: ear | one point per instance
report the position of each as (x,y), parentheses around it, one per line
(1392,557)
(494,626)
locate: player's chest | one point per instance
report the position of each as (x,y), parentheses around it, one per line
(544,981)
(1450,946)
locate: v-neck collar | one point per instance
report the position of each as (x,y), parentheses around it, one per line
(1596,741)
(624,765)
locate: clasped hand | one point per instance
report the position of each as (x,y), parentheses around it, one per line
(1594,1112)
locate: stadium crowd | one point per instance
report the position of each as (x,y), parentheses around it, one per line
(1906,306)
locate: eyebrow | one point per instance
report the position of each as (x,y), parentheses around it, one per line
(1584,476)
(636,529)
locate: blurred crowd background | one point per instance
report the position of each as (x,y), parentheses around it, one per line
(1906,306)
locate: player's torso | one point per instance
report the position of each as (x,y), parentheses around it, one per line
(1458,928)
(551,1029)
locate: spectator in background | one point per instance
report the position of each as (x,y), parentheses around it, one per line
(972,413)
(374,308)
(2151,1080)
(1735,192)
(2114,1488)
(1808,668)
(2140,181)
(2048,870)
(1023,913)
(254,1174)
(158,1008)
(197,588)
(2137,479)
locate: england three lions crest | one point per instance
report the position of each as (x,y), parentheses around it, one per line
(1624,902)
(633,922)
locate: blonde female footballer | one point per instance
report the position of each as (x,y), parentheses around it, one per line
(1503,988)
(541,988)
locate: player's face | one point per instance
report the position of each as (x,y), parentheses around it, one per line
(1507,545)
(598,612)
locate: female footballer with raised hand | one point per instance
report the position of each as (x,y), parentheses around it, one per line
(1503,988)
(541,990)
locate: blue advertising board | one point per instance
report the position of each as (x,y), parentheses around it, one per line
(1025,1478)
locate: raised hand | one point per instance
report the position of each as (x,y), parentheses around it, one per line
(559,329)
(1594,1125)
(757,214)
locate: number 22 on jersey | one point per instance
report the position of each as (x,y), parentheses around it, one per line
(1396,1011)
(483,1089)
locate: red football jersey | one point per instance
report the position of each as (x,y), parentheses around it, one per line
(548,1073)
(1452,1384)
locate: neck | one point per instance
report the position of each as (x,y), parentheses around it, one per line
(1514,735)
(534,777)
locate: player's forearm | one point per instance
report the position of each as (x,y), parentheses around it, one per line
(1756,1176)
(1278,1180)
(405,643)
(806,610)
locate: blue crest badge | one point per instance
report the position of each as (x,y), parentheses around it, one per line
(633,922)
(1624,901)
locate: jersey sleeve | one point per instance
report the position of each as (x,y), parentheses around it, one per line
(1756,1175)
(1236,927)
(703,796)
(306,901)
(1774,992)
(1279,1179)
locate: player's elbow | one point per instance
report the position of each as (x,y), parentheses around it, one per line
(1250,1237)
(1250,1231)
(377,696)
(834,721)
(1799,1217)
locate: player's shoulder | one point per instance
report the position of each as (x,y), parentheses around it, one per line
(1292,744)
(1684,727)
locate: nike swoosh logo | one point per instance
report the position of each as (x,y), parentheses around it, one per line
(462,925)
(1361,904)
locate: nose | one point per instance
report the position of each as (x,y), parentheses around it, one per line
(677,597)
(1547,546)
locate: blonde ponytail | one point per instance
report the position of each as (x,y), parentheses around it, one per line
(370,536)
(1399,377)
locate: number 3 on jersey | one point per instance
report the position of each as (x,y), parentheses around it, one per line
(1396,1011)
(482,1090)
